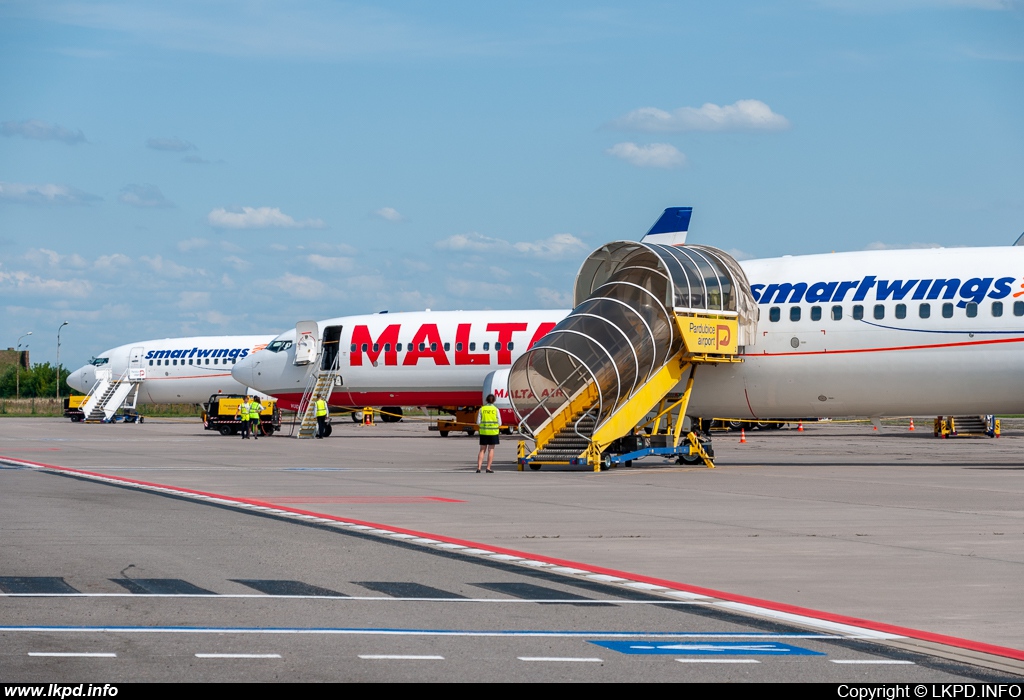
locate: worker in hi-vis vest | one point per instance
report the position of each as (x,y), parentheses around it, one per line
(255,408)
(243,414)
(488,423)
(321,418)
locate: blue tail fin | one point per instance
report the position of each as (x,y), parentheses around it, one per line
(671,228)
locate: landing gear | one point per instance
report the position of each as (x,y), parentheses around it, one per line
(357,416)
(391,414)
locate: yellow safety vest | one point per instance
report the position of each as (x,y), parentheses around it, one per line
(489,420)
(254,410)
(243,411)
(321,408)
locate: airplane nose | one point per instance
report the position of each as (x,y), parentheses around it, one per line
(77,380)
(242,371)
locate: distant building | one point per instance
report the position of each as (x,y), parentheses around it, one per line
(11,357)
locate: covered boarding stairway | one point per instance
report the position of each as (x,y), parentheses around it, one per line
(645,317)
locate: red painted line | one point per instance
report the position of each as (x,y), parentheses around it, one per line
(911,633)
(357,499)
(890,349)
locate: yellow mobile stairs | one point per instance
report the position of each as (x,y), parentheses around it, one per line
(612,381)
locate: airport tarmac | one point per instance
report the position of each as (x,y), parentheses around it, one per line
(896,528)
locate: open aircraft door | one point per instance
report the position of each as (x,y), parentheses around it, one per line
(307,341)
(136,368)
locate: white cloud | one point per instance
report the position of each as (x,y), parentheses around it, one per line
(331,264)
(471,289)
(39,130)
(190,244)
(560,245)
(654,155)
(23,282)
(237,263)
(743,115)
(258,217)
(42,257)
(300,287)
(193,300)
(389,214)
(172,143)
(169,268)
(144,196)
(195,160)
(44,194)
(553,298)
(112,262)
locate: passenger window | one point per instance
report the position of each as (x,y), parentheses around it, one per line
(353,348)
(794,313)
(879,311)
(472,347)
(214,361)
(901,311)
(815,313)
(398,347)
(774,314)
(387,347)
(497,346)
(947,310)
(1018,308)
(233,360)
(837,313)
(924,310)
(487,346)
(458,347)
(158,363)
(423,346)
(150,363)
(972,309)
(365,347)
(997,308)
(433,347)
(510,345)
(376,347)
(858,312)
(207,362)
(447,347)
(190,361)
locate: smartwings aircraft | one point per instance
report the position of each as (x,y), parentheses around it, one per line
(177,370)
(871,333)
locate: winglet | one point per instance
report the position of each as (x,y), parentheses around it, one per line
(671,228)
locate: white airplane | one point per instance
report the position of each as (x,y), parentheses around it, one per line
(176,370)
(873,333)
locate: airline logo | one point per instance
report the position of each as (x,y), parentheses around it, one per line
(975,289)
(198,352)
(717,336)
(427,344)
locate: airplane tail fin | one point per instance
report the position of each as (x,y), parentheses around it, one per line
(671,228)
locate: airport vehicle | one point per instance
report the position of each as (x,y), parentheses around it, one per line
(170,370)
(221,410)
(73,410)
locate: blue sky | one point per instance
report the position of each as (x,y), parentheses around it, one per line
(232,167)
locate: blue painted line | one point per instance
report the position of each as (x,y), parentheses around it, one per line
(631,636)
(710,648)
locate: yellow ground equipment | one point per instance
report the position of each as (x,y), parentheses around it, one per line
(645,317)
(219,413)
(963,426)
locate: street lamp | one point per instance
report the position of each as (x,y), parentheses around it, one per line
(17,372)
(59,329)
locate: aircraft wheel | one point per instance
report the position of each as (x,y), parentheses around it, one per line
(391,414)
(357,416)
(734,424)
(762,425)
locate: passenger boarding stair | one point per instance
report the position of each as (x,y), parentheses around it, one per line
(645,317)
(109,395)
(321,382)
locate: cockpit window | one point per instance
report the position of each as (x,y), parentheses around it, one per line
(97,361)
(279,345)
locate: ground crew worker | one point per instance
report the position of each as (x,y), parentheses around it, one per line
(243,414)
(321,418)
(488,423)
(255,408)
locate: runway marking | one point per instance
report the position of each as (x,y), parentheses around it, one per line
(387,632)
(585,659)
(161,586)
(370,599)
(35,584)
(894,662)
(75,654)
(238,656)
(401,657)
(858,627)
(718,661)
(356,499)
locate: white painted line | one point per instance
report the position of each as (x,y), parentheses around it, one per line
(83,654)
(606,577)
(504,557)
(685,595)
(401,657)
(238,656)
(718,661)
(592,659)
(474,550)
(892,662)
(450,545)
(568,570)
(645,586)
(848,630)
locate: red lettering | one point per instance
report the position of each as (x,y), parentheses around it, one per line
(464,356)
(428,336)
(388,339)
(505,331)
(542,330)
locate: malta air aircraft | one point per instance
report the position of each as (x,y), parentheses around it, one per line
(175,370)
(872,333)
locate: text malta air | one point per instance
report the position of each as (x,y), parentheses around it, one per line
(872,333)
(175,370)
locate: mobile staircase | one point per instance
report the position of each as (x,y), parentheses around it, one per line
(964,426)
(611,383)
(325,376)
(110,394)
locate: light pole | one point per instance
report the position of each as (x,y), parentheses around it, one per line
(17,372)
(59,329)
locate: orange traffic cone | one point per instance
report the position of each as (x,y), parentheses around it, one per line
(800,427)
(911,425)
(743,436)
